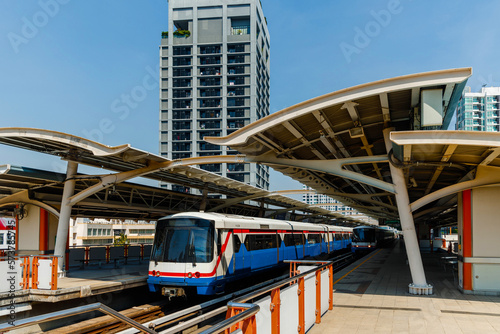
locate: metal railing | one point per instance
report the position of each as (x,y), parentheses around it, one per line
(241,315)
(75,311)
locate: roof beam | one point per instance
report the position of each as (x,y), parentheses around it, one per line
(492,156)
(293,130)
(353,112)
(485,176)
(23,197)
(334,167)
(384,103)
(446,157)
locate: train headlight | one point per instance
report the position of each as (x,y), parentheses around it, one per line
(153,273)
(197,274)
(190,275)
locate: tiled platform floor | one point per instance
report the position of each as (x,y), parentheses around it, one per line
(374,299)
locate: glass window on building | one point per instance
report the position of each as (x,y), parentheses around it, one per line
(94,231)
(89,231)
(468,115)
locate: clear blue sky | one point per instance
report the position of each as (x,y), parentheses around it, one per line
(69,65)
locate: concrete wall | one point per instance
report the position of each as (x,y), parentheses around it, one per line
(29,228)
(485,258)
(485,226)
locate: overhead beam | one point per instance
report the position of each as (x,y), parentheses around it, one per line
(334,167)
(446,157)
(492,156)
(23,197)
(489,176)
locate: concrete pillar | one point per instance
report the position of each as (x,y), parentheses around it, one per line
(64,216)
(419,285)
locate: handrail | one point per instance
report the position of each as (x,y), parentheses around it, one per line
(269,288)
(251,309)
(75,311)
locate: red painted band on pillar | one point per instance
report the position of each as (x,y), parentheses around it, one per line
(44,231)
(467,237)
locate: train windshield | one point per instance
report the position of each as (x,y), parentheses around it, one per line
(362,234)
(184,240)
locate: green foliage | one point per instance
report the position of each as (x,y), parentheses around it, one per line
(121,240)
(164,34)
(182,33)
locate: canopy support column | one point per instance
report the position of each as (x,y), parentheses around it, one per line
(64,216)
(419,285)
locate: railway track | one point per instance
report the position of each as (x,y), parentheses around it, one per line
(176,314)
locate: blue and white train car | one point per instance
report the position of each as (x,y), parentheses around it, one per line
(205,251)
(367,238)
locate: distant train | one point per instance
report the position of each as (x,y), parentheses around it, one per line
(367,238)
(202,252)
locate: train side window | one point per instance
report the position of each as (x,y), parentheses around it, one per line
(1,238)
(260,241)
(237,243)
(338,236)
(313,238)
(294,239)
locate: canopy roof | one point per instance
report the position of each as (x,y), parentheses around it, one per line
(335,143)
(125,158)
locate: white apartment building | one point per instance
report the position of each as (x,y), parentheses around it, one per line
(479,111)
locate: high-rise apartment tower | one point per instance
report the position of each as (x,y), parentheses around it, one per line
(214,74)
(479,111)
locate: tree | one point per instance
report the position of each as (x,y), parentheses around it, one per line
(121,240)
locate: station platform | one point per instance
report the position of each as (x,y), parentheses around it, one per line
(371,296)
(80,283)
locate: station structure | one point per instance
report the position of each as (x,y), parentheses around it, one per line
(381,148)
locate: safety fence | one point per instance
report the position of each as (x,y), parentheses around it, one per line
(292,305)
(100,255)
(28,272)
(306,295)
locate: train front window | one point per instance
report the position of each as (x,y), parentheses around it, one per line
(364,235)
(184,240)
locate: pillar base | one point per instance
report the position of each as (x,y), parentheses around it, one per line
(420,289)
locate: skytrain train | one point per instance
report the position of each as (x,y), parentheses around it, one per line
(202,252)
(367,238)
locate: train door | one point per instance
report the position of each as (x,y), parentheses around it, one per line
(239,253)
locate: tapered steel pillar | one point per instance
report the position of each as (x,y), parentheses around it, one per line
(419,285)
(64,216)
